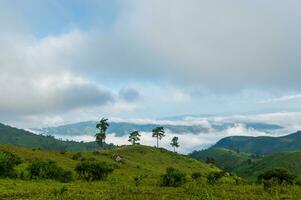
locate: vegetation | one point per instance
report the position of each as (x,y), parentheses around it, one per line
(102,125)
(8,162)
(134,137)
(262,145)
(280,175)
(174,143)
(146,172)
(47,169)
(225,159)
(173,178)
(287,160)
(158,133)
(93,170)
(22,138)
(136,178)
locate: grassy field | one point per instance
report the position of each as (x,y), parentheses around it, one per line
(147,162)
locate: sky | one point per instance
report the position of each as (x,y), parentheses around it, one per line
(76,60)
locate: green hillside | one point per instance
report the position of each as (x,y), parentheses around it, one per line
(137,161)
(224,158)
(19,137)
(289,160)
(261,145)
(146,162)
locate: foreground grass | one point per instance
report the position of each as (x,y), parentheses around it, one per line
(107,190)
(147,162)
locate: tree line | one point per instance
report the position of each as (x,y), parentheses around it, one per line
(134,137)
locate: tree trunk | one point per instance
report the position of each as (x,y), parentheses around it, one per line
(157,142)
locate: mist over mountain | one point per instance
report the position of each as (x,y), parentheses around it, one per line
(194,132)
(123,128)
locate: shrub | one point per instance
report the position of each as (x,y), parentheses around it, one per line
(210,160)
(7,163)
(63,152)
(173,178)
(213,177)
(280,175)
(66,176)
(60,191)
(76,156)
(47,169)
(196,175)
(92,170)
(137,180)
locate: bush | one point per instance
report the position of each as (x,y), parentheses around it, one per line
(60,191)
(47,169)
(137,180)
(92,170)
(280,175)
(196,175)
(7,163)
(66,176)
(213,177)
(76,156)
(210,160)
(173,178)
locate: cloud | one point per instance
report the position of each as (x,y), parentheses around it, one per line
(203,139)
(188,142)
(129,94)
(197,56)
(51,94)
(283,98)
(221,46)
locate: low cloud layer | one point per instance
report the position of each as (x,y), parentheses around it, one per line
(290,123)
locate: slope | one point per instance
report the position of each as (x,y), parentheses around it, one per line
(261,145)
(19,137)
(224,158)
(290,160)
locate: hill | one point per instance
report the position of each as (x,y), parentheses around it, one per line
(290,160)
(20,137)
(138,160)
(142,161)
(225,159)
(261,145)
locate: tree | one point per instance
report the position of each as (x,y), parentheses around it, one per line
(158,133)
(280,175)
(174,143)
(134,137)
(102,125)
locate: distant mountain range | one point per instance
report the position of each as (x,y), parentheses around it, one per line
(124,128)
(19,137)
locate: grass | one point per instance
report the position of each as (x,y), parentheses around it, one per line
(147,162)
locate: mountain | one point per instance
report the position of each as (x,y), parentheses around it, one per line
(123,128)
(262,145)
(224,158)
(19,137)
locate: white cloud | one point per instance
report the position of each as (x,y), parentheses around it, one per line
(283,98)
